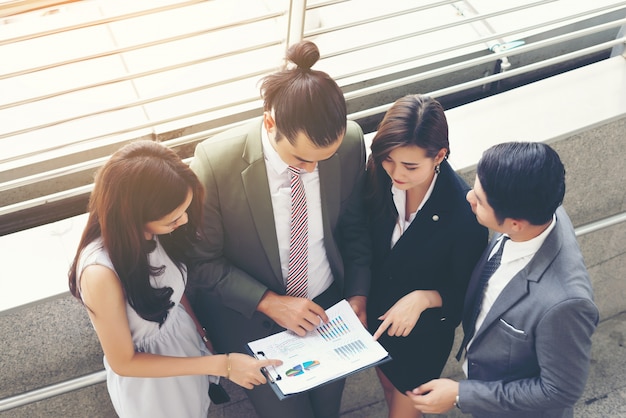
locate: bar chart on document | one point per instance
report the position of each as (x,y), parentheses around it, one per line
(334,330)
(333,350)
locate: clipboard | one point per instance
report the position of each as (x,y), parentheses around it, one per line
(332,351)
(273,377)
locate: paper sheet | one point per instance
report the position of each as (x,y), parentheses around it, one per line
(333,350)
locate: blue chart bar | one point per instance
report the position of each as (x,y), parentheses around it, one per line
(350,350)
(333,329)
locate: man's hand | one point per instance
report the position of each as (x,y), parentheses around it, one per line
(435,397)
(358,306)
(299,315)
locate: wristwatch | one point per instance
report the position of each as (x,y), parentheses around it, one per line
(456,402)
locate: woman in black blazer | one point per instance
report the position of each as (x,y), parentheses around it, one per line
(426,241)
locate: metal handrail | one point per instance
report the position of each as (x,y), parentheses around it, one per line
(324,4)
(490,58)
(42,200)
(94,164)
(488,79)
(381,17)
(308,34)
(118,51)
(52,390)
(368,112)
(392,84)
(484,39)
(364,91)
(426,31)
(100,376)
(96,22)
(250,100)
(132,76)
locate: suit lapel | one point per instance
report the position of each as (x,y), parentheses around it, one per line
(330,192)
(330,178)
(518,287)
(257,190)
(428,220)
(515,290)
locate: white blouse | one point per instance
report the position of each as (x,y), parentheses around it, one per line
(399,199)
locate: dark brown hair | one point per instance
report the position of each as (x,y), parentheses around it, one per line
(141,182)
(305,100)
(411,120)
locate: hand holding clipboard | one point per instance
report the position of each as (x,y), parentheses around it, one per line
(333,350)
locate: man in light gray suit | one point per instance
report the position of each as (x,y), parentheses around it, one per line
(528,330)
(243,264)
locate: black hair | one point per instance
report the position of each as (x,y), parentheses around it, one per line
(522,180)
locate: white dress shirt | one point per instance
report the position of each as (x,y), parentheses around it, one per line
(515,257)
(280,191)
(399,199)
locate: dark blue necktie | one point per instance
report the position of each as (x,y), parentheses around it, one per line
(490,267)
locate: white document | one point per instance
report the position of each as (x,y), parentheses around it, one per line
(331,351)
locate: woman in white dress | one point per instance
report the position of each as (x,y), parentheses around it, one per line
(130,273)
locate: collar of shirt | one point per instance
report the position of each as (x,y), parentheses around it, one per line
(399,199)
(517,250)
(272,159)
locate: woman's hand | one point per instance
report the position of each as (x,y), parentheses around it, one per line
(401,318)
(245,370)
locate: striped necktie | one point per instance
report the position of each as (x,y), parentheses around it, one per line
(297,275)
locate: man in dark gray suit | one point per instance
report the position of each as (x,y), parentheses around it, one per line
(528,330)
(243,264)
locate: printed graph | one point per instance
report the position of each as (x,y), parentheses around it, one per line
(333,329)
(299,369)
(351,350)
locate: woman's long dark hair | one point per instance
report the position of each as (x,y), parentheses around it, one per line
(142,182)
(411,120)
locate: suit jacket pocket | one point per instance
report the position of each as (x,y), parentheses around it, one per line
(512,330)
(503,352)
